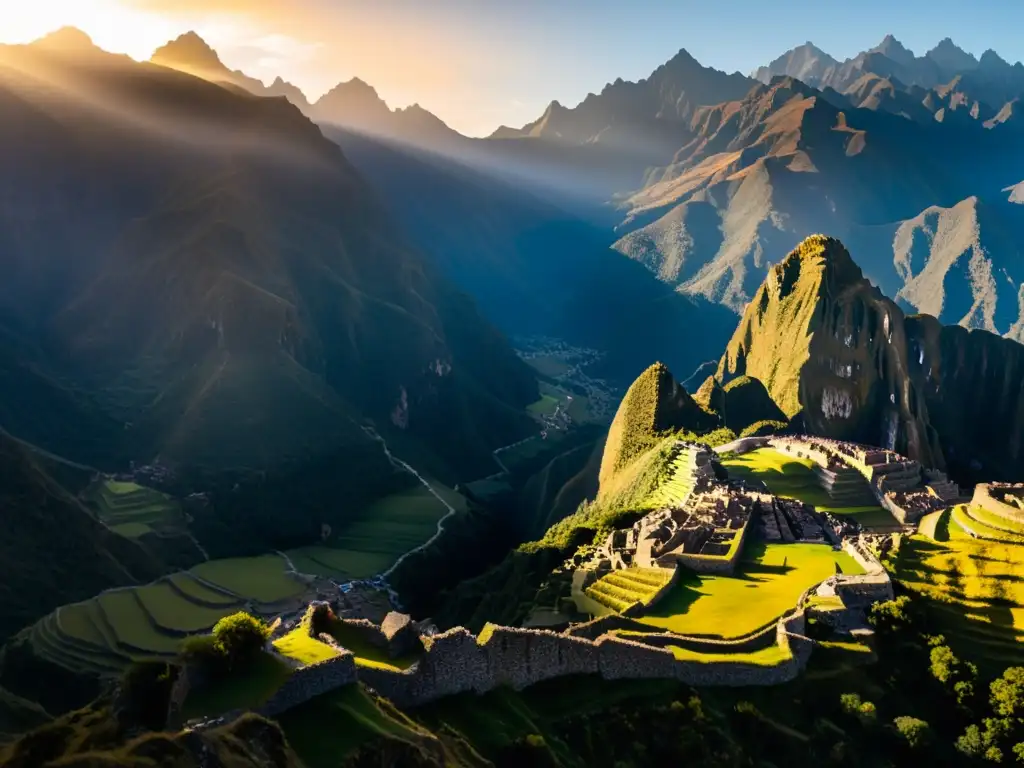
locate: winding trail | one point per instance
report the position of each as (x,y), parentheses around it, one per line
(291,566)
(399,464)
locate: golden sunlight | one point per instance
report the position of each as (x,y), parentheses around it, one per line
(112,25)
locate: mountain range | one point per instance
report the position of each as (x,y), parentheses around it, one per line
(704,173)
(238,297)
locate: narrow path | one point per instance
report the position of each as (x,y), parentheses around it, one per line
(290,566)
(399,464)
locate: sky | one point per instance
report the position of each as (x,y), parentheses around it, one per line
(478,64)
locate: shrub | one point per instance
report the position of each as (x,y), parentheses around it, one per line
(200,649)
(892,616)
(239,637)
(917,733)
(852,704)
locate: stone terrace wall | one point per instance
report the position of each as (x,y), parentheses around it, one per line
(986,496)
(714,564)
(593,629)
(312,680)
(457,662)
(873,586)
(519,657)
(755,641)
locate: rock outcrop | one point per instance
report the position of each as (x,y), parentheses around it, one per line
(843,361)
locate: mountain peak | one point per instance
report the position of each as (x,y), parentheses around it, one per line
(653,405)
(189,51)
(894,49)
(67,39)
(682,57)
(952,57)
(992,59)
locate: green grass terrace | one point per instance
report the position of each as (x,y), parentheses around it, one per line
(106,633)
(620,589)
(769,579)
(973,587)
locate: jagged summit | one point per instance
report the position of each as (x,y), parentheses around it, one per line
(952,57)
(188,50)
(895,50)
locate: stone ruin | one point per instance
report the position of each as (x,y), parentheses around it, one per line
(846,470)
(1003,499)
(788,520)
(702,531)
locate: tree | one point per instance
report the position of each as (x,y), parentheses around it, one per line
(239,637)
(892,616)
(852,704)
(917,733)
(1003,733)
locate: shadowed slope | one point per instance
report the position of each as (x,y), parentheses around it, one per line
(52,550)
(238,296)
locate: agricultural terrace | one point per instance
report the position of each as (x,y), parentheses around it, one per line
(793,478)
(378,535)
(974,585)
(620,589)
(133,510)
(115,628)
(769,579)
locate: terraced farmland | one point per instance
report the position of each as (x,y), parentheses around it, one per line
(676,489)
(104,634)
(975,584)
(378,535)
(134,510)
(620,589)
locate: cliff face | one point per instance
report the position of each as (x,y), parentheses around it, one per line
(843,361)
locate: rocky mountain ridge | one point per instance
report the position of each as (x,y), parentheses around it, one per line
(843,361)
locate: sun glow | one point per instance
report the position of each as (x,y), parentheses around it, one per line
(111,25)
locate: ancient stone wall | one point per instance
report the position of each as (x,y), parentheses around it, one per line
(366,630)
(312,680)
(755,641)
(519,657)
(872,586)
(986,496)
(593,629)
(522,657)
(713,564)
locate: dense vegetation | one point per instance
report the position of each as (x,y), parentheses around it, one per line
(654,405)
